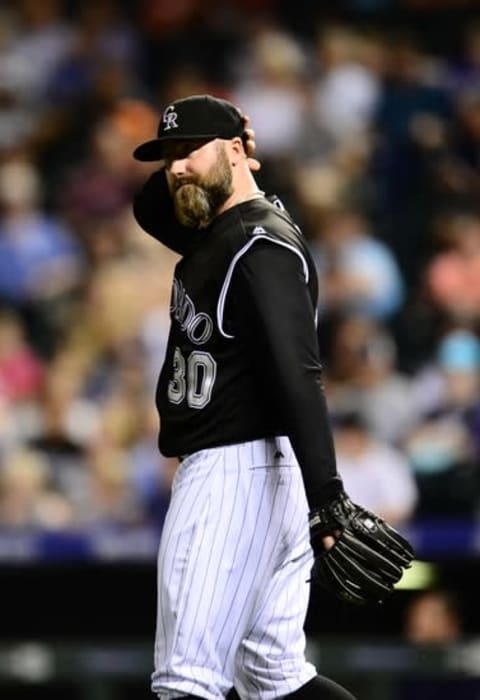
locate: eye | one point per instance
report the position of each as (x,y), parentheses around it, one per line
(188,149)
(192,146)
(178,151)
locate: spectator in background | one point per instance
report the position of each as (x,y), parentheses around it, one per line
(110,498)
(458,358)
(40,261)
(462,72)
(468,140)
(44,38)
(347,90)
(412,87)
(452,276)
(199,33)
(433,617)
(438,449)
(442,446)
(21,370)
(273,86)
(64,424)
(189,79)
(329,177)
(95,192)
(450,381)
(105,42)
(361,371)
(18,120)
(27,499)
(113,315)
(411,93)
(128,481)
(357,272)
(89,444)
(375,473)
(151,473)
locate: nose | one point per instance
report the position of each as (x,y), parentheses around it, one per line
(178,167)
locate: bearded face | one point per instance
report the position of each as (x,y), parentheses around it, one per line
(197,198)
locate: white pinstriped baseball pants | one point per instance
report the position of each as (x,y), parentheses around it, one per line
(233,566)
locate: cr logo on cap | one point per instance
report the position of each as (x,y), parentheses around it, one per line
(170,118)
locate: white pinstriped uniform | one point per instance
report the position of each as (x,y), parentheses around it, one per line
(234,561)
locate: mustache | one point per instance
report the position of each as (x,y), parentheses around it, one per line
(184,181)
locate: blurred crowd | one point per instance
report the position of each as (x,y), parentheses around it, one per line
(370,136)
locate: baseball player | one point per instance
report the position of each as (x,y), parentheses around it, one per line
(256,499)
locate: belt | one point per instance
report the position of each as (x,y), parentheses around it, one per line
(275,446)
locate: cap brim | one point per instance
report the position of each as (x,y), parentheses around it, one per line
(153,150)
(149,151)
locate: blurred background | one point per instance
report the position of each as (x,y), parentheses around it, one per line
(367,115)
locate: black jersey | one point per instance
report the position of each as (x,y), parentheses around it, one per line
(242,359)
(207,393)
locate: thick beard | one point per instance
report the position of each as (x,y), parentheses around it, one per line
(196,203)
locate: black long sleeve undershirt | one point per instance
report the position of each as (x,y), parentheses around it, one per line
(273,316)
(154,212)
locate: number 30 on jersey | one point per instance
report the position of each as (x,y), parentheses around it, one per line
(193,379)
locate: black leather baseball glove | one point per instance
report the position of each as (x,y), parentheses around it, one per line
(368,557)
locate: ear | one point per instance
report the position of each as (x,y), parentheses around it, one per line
(236,152)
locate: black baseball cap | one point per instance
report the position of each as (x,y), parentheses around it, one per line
(194,117)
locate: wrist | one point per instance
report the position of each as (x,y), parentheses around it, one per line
(329,520)
(330,491)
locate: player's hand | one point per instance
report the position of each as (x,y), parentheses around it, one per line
(250,144)
(329,541)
